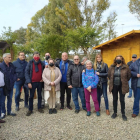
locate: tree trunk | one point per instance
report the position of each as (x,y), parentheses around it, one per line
(12,53)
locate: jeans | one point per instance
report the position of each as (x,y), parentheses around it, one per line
(35,85)
(75,92)
(63,87)
(18,85)
(9,101)
(115,91)
(104,92)
(130,89)
(136,101)
(93,94)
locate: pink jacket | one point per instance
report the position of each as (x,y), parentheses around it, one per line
(46,76)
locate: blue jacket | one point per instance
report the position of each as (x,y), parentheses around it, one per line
(20,69)
(10,74)
(134,67)
(28,71)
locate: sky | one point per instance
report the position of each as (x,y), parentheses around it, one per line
(18,13)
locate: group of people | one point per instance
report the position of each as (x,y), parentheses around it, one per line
(54,78)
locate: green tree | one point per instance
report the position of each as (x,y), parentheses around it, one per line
(10,37)
(134,7)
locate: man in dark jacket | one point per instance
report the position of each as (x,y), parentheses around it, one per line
(134,58)
(63,64)
(20,65)
(135,73)
(10,77)
(74,82)
(33,76)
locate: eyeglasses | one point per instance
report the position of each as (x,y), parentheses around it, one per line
(76,59)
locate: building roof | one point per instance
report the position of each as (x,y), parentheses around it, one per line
(118,39)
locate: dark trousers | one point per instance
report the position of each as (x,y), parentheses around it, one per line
(19,84)
(115,91)
(63,88)
(35,85)
(104,92)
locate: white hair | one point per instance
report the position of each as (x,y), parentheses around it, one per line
(84,58)
(5,54)
(88,62)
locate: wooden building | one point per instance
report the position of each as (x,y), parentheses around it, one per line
(125,45)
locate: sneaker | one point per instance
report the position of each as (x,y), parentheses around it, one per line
(69,107)
(17,109)
(77,111)
(11,114)
(88,113)
(2,116)
(85,109)
(54,111)
(29,113)
(50,111)
(124,117)
(107,112)
(98,113)
(41,110)
(114,115)
(21,100)
(62,107)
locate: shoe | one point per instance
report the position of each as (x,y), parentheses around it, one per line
(114,115)
(2,121)
(50,111)
(54,111)
(97,113)
(134,115)
(21,100)
(129,96)
(2,116)
(41,110)
(69,107)
(85,109)
(88,113)
(29,113)
(107,112)
(26,106)
(11,114)
(124,117)
(62,107)
(77,111)
(17,109)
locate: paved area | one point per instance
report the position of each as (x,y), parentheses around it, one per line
(66,125)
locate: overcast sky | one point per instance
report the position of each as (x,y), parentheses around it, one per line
(18,13)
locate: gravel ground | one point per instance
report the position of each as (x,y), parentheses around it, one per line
(66,125)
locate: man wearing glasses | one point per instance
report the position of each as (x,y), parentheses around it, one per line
(74,81)
(20,65)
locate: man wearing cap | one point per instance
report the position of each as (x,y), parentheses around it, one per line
(134,58)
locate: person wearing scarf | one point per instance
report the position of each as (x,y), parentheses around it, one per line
(33,76)
(63,64)
(51,77)
(102,72)
(20,65)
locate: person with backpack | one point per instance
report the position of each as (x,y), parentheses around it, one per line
(90,81)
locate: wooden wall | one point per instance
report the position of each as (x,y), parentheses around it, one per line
(126,48)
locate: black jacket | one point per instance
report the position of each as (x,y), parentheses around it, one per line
(57,64)
(74,75)
(129,63)
(104,73)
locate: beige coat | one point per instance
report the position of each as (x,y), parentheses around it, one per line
(46,76)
